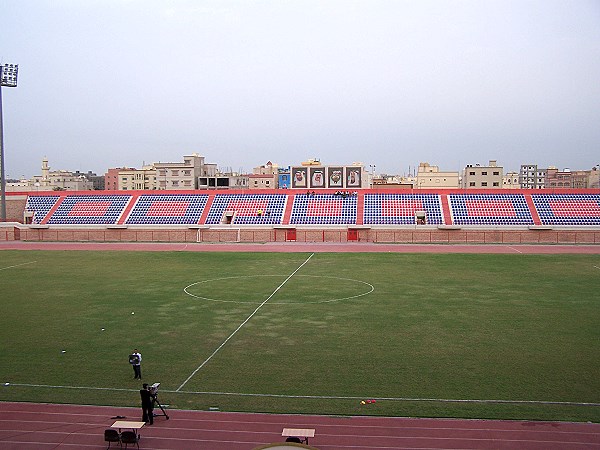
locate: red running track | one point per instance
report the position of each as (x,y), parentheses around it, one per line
(44,426)
(316,247)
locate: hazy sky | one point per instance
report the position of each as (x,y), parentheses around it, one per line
(107,83)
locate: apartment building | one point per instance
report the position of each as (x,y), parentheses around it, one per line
(483,177)
(430,177)
(264,177)
(137,179)
(183,176)
(510,180)
(532,177)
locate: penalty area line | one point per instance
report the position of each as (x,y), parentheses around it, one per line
(243,323)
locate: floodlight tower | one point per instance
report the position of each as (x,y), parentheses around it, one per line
(8,78)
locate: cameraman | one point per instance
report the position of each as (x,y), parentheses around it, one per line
(147,404)
(135,359)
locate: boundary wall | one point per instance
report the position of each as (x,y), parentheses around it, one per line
(423,235)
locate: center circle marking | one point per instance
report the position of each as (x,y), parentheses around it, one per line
(369,288)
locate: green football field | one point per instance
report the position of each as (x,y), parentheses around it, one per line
(425,335)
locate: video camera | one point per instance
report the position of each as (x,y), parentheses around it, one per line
(154,393)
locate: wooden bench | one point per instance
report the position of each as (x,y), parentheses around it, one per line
(301,433)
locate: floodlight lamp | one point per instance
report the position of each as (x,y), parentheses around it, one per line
(8,76)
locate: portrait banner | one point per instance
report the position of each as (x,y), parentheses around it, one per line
(335,177)
(353,177)
(299,177)
(317,177)
(284,181)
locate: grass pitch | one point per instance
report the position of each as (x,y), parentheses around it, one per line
(487,336)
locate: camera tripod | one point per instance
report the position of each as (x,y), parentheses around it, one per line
(155,401)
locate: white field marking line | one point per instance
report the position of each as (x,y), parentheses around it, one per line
(515,249)
(316,397)
(185,289)
(67,387)
(243,323)
(17,265)
(597,267)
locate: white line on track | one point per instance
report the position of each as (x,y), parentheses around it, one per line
(515,249)
(17,265)
(243,323)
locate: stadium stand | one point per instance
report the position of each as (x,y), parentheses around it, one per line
(40,206)
(324,209)
(247,209)
(522,208)
(167,209)
(490,209)
(89,210)
(568,209)
(401,209)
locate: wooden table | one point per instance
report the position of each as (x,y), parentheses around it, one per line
(135,426)
(128,424)
(302,433)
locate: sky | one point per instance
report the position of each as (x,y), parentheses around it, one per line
(389,83)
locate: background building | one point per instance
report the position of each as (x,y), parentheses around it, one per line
(111,178)
(482,177)
(580,179)
(264,177)
(532,177)
(561,179)
(430,177)
(137,179)
(58,180)
(594,178)
(510,180)
(184,176)
(228,180)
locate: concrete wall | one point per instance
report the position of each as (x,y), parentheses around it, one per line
(412,236)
